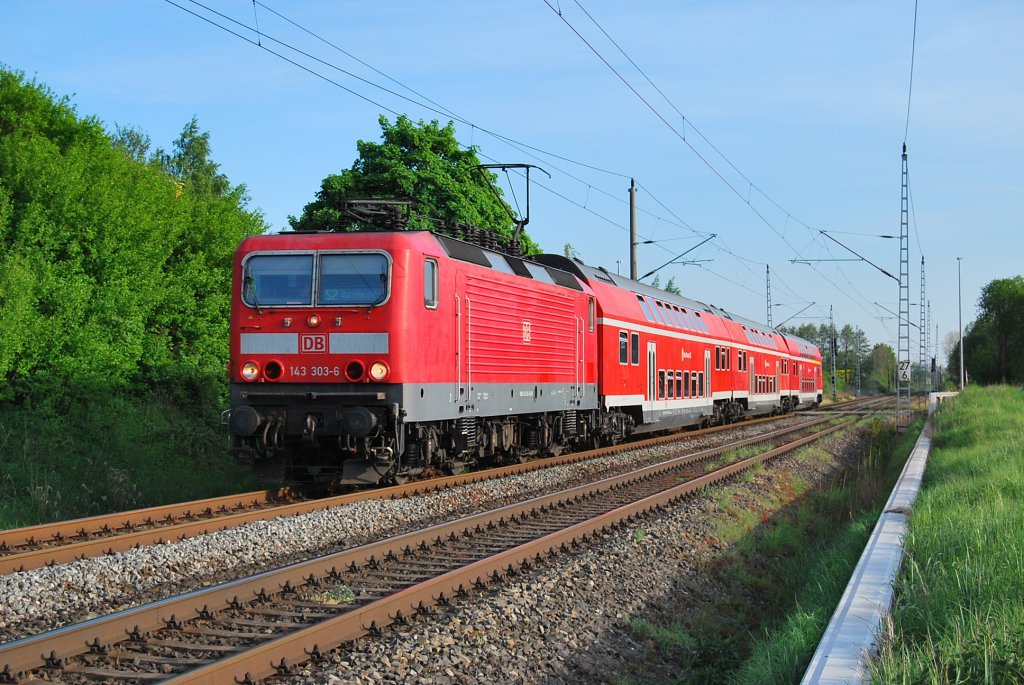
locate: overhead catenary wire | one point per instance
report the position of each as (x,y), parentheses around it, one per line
(440,110)
(910,87)
(421,102)
(701,157)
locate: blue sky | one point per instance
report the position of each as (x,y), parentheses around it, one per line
(804,103)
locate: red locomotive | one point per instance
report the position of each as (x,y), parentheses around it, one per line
(368,357)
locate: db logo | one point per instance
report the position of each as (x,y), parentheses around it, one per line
(313,342)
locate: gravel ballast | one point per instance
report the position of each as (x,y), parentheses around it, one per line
(507,637)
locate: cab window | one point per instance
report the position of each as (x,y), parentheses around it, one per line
(278,279)
(353,279)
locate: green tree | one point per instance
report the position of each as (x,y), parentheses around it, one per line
(424,163)
(992,344)
(671,287)
(190,162)
(883,368)
(112,269)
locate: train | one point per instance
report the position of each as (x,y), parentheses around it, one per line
(372,357)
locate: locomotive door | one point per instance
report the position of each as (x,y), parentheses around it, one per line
(778,378)
(462,388)
(580,360)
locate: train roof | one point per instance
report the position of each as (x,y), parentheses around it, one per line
(586,273)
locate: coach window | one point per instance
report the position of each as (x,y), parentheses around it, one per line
(669,387)
(659,316)
(623,347)
(661,384)
(645,307)
(430,283)
(679,384)
(634,341)
(686,384)
(700,384)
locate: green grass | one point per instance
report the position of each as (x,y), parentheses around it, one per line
(958,613)
(79,452)
(792,552)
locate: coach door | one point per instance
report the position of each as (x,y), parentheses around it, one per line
(707,379)
(752,367)
(652,372)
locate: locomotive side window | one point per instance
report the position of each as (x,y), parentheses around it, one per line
(590,315)
(634,339)
(355,279)
(278,279)
(623,347)
(430,283)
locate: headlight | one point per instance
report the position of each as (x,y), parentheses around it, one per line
(250,371)
(378,371)
(354,371)
(313,321)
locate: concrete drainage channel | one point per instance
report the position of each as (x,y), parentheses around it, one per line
(851,636)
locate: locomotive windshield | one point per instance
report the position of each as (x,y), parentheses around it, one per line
(356,279)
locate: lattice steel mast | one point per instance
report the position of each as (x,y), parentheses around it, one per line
(768,286)
(923,330)
(832,348)
(903,354)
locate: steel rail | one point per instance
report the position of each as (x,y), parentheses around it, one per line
(294,648)
(64,542)
(29,653)
(108,524)
(122,529)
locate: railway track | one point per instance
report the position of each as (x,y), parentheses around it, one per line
(236,630)
(23,549)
